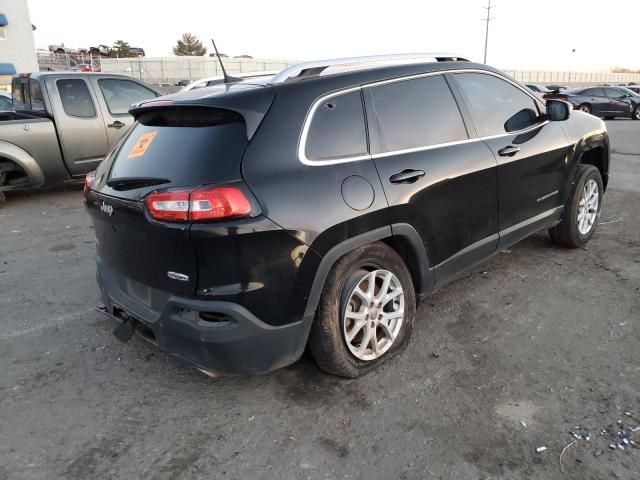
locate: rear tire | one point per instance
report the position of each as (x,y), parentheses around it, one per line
(356,329)
(636,113)
(582,211)
(585,107)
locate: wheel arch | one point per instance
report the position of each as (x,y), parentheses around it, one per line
(21,158)
(402,237)
(598,157)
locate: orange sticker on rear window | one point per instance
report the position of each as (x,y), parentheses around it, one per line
(142,144)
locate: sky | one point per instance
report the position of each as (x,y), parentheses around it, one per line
(524,34)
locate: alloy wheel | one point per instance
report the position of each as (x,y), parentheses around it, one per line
(588,207)
(373,315)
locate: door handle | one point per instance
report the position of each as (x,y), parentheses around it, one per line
(407,176)
(117,124)
(508,151)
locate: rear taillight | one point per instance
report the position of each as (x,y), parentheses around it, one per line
(556,96)
(197,205)
(88,184)
(214,203)
(169,206)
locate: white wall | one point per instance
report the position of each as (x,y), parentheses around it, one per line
(19,47)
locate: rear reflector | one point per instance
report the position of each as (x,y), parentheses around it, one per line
(197,205)
(88,183)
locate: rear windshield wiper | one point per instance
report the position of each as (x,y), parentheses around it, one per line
(129,183)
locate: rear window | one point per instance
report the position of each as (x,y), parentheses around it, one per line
(187,146)
(37,99)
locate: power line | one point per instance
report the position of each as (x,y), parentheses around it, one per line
(486,35)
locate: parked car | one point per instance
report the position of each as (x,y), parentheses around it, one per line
(607,102)
(557,88)
(6,104)
(633,88)
(84,67)
(239,223)
(218,80)
(58,49)
(63,126)
(538,88)
(102,50)
(137,51)
(61,49)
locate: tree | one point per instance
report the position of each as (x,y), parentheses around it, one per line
(122,49)
(189,46)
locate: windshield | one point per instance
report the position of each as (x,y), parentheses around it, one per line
(629,92)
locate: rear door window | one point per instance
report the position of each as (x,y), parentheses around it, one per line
(594,92)
(120,94)
(337,129)
(496,105)
(76,98)
(186,147)
(416,113)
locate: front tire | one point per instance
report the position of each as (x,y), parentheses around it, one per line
(366,312)
(585,107)
(636,113)
(582,211)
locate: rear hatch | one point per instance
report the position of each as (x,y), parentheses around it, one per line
(167,152)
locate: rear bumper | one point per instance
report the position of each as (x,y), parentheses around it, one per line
(238,344)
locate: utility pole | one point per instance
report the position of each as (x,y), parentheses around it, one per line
(486,35)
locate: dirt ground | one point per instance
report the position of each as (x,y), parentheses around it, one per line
(538,334)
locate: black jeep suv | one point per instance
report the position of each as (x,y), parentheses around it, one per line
(239,223)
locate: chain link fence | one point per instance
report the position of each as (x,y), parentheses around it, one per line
(175,69)
(573,78)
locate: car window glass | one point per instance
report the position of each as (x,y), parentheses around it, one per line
(496,105)
(75,97)
(17,92)
(416,113)
(595,92)
(121,94)
(337,128)
(613,93)
(37,99)
(5,104)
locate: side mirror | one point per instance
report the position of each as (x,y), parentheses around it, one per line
(558,110)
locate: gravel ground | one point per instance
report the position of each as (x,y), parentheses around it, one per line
(537,334)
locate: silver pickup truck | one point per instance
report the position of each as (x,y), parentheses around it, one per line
(63,125)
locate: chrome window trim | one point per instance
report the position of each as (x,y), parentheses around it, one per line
(334,161)
(302,142)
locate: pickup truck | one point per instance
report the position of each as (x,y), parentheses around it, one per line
(63,124)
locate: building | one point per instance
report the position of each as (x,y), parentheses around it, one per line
(17,46)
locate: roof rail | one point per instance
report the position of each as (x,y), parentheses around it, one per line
(315,68)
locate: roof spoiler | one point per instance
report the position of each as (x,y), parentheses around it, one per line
(251,105)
